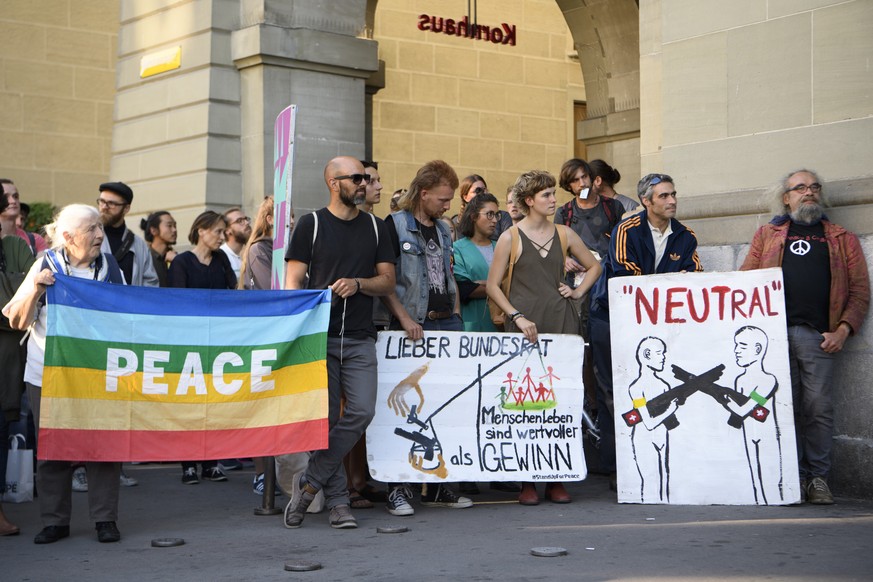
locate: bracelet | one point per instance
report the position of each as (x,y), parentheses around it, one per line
(516,315)
(358,283)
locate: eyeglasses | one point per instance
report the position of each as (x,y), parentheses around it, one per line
(479,190)
(242,220)
(815,188)
(490,215)
(355,178)
(110,203)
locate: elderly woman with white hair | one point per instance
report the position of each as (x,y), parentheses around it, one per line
(76,236)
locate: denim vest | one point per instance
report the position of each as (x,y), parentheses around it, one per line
(411,269)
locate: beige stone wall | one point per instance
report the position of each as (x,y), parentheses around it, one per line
(489,109)
(736,94)
(57,87)
(176,137)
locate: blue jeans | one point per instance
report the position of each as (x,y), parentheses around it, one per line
(812,370)
(351,372)
(453,323)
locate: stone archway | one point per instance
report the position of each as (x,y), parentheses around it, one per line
(606,34)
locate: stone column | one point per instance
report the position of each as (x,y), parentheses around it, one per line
(304,53)
(606,37)
(176,133)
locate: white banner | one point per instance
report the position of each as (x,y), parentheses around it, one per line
(702,387)
(463,406)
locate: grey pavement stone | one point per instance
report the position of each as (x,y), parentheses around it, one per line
(224,540)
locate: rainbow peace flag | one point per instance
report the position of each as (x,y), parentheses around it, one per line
(145,374)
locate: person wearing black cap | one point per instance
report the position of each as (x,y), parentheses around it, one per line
(131,251)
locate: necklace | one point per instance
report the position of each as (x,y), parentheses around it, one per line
(68,268)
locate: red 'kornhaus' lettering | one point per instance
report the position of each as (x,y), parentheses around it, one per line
(503,34)
(678,304)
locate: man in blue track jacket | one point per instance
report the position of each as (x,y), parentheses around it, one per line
(648,243)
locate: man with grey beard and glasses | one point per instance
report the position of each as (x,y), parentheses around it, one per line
(826,298)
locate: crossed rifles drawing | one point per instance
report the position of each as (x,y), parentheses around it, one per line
(706,383)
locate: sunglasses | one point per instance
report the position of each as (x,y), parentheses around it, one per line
(655,179)
(355,178)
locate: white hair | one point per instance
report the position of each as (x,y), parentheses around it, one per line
(69,220)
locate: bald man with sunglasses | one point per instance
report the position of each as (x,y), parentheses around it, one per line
(348,251)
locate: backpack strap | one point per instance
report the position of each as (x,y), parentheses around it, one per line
(314,236)
(126,243)
(513,258)
(375,228)
(562,238)
(32,240)
(568,212)
(114,271)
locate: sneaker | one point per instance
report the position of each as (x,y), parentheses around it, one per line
(213,474)
(80,480)
(189,476)
(341,517)
(398,501)
(258,484)
(441,496)
(51,534)
(301,496)
(107,532)
(127,481)
(803,485)
(818,493)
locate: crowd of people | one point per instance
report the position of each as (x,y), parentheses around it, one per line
(536,267)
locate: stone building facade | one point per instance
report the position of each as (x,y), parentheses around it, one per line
(724,96)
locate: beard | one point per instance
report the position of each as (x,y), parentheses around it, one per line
(807,214)
(352,197)
(240,237)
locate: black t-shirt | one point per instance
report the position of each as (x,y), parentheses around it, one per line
(186,270)
(438,298)
(592,225)
(115,234)
(807,272)
(343,249)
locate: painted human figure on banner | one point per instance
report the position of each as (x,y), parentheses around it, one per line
(705,427)
(762,438)
(649,437)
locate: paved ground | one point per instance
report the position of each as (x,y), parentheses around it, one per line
(490,541)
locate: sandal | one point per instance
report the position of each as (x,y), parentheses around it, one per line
(11,530)
(358,501)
